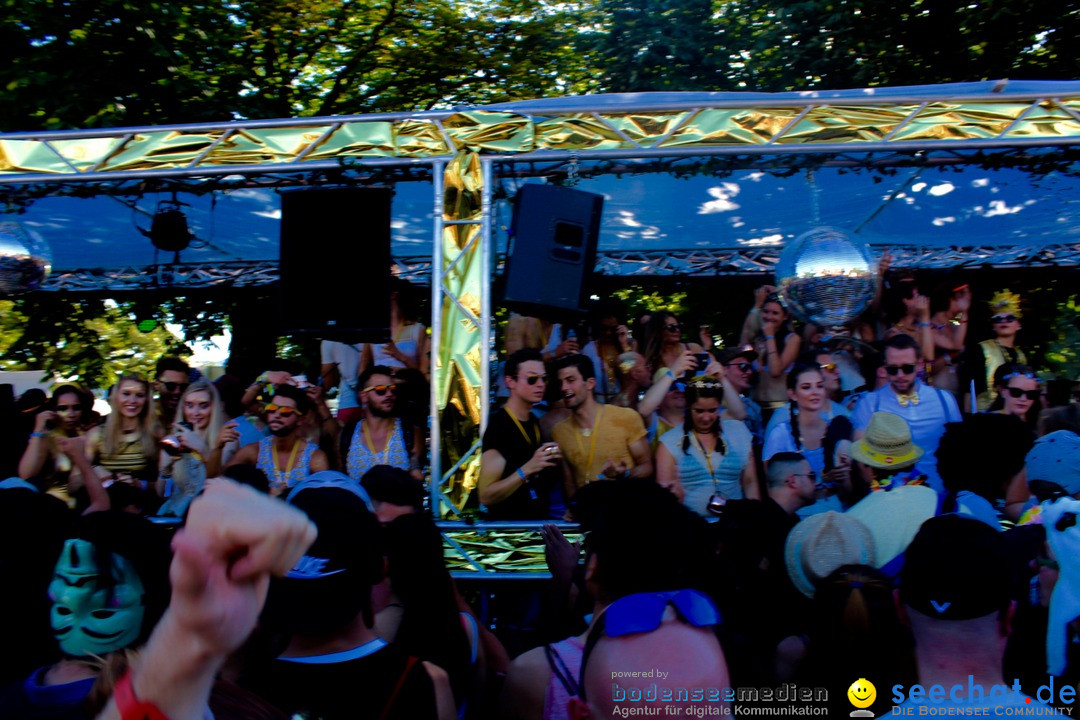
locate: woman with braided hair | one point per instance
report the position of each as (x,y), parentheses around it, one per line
(804,432)
(707,461)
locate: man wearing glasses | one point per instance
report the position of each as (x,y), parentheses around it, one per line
(380,437)
(171,380)
(926,409)
(515,468)
(739,370)
(285,456)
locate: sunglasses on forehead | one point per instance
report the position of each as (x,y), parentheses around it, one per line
(174,386)
(532,378)
(1017,393)
(906,369)
(282,410)
(381,390)
(643,613)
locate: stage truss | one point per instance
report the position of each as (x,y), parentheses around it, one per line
(460,149)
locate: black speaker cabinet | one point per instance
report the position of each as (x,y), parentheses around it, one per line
(335,263)
(552,249)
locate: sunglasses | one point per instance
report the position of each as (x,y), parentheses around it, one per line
(65,408)
(673,327)
(828,367)
(812,475)
(1045,562)
(906,369)
(1016,393)
(741,367)
(174,386)
(282,410)
(533,378)
(643,613)
(381,390)
(1004,318)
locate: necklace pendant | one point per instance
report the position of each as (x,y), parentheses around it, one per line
(586,432)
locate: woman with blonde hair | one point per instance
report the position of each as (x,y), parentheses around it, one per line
(185,450)
(126,445)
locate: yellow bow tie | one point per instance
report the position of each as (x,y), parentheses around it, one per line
(905,400)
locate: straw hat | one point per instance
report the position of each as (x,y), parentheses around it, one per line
(822,543)
(887,443)
(894,517)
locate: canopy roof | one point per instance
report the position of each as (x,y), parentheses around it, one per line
(695,183)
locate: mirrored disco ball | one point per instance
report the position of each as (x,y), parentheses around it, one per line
(826,277)
(25,259)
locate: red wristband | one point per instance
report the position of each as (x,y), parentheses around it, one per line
(130,707)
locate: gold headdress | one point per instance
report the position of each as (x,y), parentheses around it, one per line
(1005,302)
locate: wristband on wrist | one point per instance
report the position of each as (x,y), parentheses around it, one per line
(523,476)
(669,373)
(130,707)
(38,434)
(770,337)
(924,324)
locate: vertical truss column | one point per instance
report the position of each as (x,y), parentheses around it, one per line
(461,326)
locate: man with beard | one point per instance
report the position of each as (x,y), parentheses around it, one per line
(285,456)
(380,438)
(515,481)
(172,376)
(598,442)
(926,409)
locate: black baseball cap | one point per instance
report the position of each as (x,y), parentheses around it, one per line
(745,351)
(331,584)
(955,569)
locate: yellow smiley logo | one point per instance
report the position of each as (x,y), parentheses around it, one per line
(862,693)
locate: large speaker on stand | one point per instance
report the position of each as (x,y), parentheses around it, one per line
(335,263)
(552,249)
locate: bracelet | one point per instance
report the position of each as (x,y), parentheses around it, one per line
(523,476)
(668,373)
(924,324)
(130,707)
(39,434)
(770,337)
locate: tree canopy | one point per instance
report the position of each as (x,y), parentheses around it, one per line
(71,64)
(119,62)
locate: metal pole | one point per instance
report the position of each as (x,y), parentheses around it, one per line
(485,292)
(434,429)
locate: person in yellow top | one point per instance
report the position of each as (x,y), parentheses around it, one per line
(989,355)
(598,442)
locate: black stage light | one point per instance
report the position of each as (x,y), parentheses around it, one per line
(169,229)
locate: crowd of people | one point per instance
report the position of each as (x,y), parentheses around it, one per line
(749,514)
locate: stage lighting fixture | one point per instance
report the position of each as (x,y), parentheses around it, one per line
(169,228)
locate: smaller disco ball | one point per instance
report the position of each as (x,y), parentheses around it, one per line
(25,259)
(826,278)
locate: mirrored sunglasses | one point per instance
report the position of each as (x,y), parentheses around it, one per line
(1004,319)
(906,369)
(381,390)
(741,367)
(282,410)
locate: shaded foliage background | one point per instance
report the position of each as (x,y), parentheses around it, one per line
(73,64)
